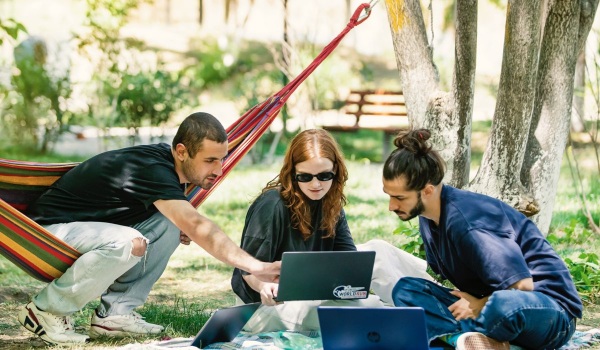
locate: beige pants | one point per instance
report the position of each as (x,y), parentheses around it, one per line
(391,263)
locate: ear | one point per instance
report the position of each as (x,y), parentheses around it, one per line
(428,190)
(181,152)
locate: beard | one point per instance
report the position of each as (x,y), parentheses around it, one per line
(417,210)
(192,176)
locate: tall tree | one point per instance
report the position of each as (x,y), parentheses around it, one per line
(533,107)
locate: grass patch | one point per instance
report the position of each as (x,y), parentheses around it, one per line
(180,317)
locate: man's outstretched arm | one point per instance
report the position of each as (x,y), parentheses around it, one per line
(211,238)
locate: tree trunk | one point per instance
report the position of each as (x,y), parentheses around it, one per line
(449,116)
(463,89)
(418,74)
(498,175)
(530,127)
(200,11)
(552,112)
(577,117)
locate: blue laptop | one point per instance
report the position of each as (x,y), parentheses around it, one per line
(385,328)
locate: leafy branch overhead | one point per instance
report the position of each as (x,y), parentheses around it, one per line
(10,29)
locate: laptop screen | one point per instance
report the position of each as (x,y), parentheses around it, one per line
(224,325)
(332,275)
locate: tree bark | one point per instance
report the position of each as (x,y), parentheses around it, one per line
(463,88)
(531,122)
(577,117)
(443,113)
(552,111)
(418,74)
(498,175)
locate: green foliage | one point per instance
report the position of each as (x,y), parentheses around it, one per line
(129,86)
(323,85)
(214,63)
(362,144)
(149,98)
(574,242)
(585,270)
(10,29)
(104,20)
(413,242)
(36,97)
(255,86)
(570,234)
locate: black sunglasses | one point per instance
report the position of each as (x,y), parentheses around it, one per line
(325,176)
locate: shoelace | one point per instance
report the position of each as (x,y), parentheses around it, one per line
(60,321)
(68,323)
(141,318)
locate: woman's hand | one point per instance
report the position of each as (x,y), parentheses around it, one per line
(268,292)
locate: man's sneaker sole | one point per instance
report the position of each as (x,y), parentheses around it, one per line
(28,320)
(97,331)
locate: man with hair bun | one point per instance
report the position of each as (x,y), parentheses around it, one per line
(511,286)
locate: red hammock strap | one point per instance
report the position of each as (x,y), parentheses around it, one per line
(327,50)
(246,131)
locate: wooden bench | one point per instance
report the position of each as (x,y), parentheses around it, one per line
(380,110)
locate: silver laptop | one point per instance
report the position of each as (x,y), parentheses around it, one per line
(332,275)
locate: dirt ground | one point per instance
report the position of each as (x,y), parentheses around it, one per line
(209,282)
(12,335)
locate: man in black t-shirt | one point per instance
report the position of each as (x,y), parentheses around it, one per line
(126,212)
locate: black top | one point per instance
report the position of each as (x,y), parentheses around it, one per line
(268,233)
(117,186)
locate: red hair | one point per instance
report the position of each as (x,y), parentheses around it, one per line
(306,145)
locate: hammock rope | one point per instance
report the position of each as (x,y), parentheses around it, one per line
(260,117)
(45,257)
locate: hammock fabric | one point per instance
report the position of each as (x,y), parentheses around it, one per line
(43,256)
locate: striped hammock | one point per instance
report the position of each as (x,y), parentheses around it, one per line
(43,256)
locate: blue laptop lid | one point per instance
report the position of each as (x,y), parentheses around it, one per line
(373,328)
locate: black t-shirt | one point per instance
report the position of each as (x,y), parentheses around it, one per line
(268,233)
(118,187)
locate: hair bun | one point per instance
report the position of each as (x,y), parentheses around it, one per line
(414,141)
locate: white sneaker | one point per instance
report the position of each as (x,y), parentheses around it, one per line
(122,325)
(479,341)
(54,330)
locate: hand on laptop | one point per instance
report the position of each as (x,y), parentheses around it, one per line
(268,292)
